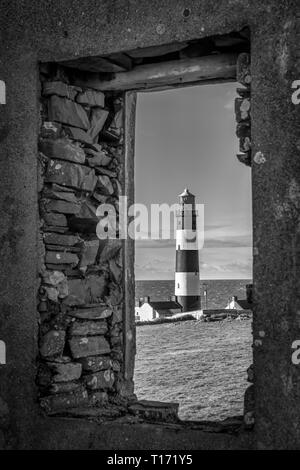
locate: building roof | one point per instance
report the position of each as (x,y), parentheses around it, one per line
(244,304)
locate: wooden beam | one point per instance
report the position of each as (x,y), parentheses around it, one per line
(129,336)
(171,73)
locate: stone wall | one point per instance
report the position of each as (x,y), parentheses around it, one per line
(80,304)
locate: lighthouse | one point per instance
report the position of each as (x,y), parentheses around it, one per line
(187,282)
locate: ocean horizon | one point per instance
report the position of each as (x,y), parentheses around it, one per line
(219,291)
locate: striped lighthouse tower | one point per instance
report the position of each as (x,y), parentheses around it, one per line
(187,282)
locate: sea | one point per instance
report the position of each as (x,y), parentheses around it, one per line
(202,366)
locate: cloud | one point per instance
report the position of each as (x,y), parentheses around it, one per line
(233,241)
(229,241)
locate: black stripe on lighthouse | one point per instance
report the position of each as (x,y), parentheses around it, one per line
(187,261)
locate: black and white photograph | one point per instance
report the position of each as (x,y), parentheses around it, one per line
(150,228)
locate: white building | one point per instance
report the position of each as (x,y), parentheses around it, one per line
(236,304)
(148,310)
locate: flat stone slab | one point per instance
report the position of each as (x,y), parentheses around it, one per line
(60,89)
(65,387)
(76,133)
(55,219)
(96,363)
(85,291)
(88,328)
(155,410)
(49,193)
(71,174)
(67,112)
(62,149)
(61,401)
(83,346)
(59,258)
(62,207)
(102,380)
(58,239)
(95,313)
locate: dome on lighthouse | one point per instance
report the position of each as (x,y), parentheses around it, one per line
(186,192)
(186,197)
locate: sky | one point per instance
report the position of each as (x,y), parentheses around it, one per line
(185,137)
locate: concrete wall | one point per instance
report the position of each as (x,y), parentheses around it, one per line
(43,31)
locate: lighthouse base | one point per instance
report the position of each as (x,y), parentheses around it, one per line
(189,302)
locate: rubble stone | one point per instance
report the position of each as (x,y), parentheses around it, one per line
(109,249)
(61,401)
(88,328)
(65,372)
(52,293)
(244,69)
(65,387)
(91,98)
(86,291)
(78,134)
(250,374)
(249,406)
(83,346)
(97,158)
(104,185)
(52,343)
(58,239)
(117,316)
(89,253)
(58,258)
(155,410)
(62,149)
(53,218)
(62,207)
(50,130)
(67,112)
(96,363)
(242,109)
(98,119)
(54,278)
(60,89)
(98,398)
(80,275)
(245,144)
(102,380)
(245,158)
(115,270)
(71,174)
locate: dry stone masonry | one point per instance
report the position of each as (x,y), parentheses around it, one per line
(243,108)
(80,277)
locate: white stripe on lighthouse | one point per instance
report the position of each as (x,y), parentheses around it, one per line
(187,284)
(186,239)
